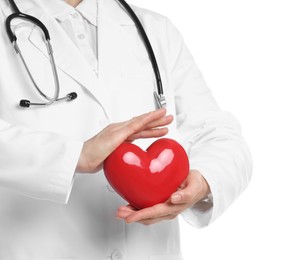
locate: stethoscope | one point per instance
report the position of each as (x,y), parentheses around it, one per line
(158,96)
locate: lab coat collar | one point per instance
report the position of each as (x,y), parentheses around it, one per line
(34,7)
(61,10)
(88,9)
(58,9)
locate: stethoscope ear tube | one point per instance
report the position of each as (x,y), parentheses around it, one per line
(14,6)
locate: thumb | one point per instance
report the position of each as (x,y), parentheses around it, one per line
(177,198)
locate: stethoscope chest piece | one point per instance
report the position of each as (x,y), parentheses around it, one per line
(159,100)
(13,38)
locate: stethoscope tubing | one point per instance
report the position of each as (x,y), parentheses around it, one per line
(13,38)
(17,14)
(14,6)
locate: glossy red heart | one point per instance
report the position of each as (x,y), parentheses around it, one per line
(146,178)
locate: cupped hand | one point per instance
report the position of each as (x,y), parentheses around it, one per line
(96,149)
(191,191)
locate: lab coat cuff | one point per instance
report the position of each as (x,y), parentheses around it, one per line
(62,183)
(205,211)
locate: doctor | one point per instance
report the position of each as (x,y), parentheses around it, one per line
(49,209)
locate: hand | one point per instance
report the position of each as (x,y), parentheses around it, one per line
(96,149)
(191,191)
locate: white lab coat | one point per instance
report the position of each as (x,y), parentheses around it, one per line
(48,213)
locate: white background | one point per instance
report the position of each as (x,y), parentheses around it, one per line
(238,46)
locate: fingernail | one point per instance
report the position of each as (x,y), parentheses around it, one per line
(176,198)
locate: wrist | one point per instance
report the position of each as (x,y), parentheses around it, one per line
(84,162)
(81,165)
(88,161)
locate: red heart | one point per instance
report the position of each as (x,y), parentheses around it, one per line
(146,178)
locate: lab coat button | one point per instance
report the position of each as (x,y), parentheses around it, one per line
(116,255)
(75,15)
(81,36)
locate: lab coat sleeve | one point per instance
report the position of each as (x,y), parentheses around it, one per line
(211,137)
(37,164)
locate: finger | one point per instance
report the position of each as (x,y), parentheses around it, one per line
(140,122)
(180,198)
(184,196)
(191,192)
(128,208)
(184,184)
(150,116)
(137,124)
(156,220)
(157,211)
(123,214)
(163,121)
(124,211)
(153,133)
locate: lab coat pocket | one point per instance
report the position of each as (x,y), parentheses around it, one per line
(135,42)
(132,68)
(165,257)
(136,61)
